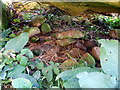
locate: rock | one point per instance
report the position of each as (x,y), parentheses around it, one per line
(31,31)
(69,34)
(76,53)
(90,44)
(26,6)
(34,38)
(89,59)
(96,53)
(65,42)
(75,19)
(113,33)
(66,18)
(45,28)
(37,20)
(68,64)
(81,46)
(37,52)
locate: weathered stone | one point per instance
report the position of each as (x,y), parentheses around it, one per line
(113,33)
(31,31)
(34,38)
(68,64)
(76,53)
(37,20)
(65,42)
(66,18)
(46,28)
(78,8)
(29,5)
(69,34)
(96,53)
(89,59)
(90,44)
(80,46)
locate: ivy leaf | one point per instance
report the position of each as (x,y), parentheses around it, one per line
(66,75)
(18,69)
(23,60)
(16,20)
(40,65)
(49,76)
(109,56)
(37,75)
(56,70)
(72,83)
(30,78)
(17,43)
(21,83)
(27,52)
(96,80)
(3,75)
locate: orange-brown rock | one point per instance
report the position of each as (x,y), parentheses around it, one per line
(69,34)
(90,44)
(80,46)
(96,53)
(76,53)
(65,42)
(113,33)
(68,64)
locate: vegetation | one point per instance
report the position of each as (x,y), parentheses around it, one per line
(46,48)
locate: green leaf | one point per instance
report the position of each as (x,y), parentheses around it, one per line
(21,83)
(56,70)
(2,75)
(37,75)
(72,83)
(32,64)
(66,75)
(8,67)
(30,78)
(27,52)
(51,63)
(17,43)
(19,56)
(1,66)
(23,60)
(49,76)
(96,80)
(109,56)
(18,69)
(40,65)
(16,20)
